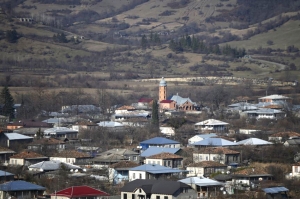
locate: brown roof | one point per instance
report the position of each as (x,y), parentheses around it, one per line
(125,107)
(46,141)
(251,171)
(27,155)
(164,156)
(71,154)
(217,150)
(124,164)
(6,150)
(207,164)
(287,133)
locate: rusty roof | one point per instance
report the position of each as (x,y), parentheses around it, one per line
(125,107)
(207,164)
(216,150)
(124,164)
(46,141)
(26,154)
(6,150)
(286,133)
(71,154)
(164,155)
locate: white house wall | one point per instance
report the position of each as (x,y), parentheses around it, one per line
(133,175)
(64,159)
(195,171)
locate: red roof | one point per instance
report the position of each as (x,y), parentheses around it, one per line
(80,191)
(166,101)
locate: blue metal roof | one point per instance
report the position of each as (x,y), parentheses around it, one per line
(17,136)
(20,185)
(5,173)
(275,189)
(156,169)
(156,150)
(159,140)
(214,142)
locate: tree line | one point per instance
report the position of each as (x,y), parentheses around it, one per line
(193,44)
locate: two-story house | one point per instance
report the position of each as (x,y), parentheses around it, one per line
(217,154)
(27,158)
(166,159)
(205,168)
(72,157)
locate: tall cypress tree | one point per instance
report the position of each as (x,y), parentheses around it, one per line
(7,101)
(155,118)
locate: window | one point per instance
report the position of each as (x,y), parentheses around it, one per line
(133,176)
(140,190)
(206,158)
(140,176)
(200,157)
(166,197)
(134,158)
(157,197)
(133,196)
(124,195)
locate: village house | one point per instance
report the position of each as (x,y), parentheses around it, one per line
(6,176)
(254,142)
(5,154)
(274,99)
(283,136)
(119,172)
(217,154)
(213,142)
(167,105)
(264,113)
(77,192)
(27,158)
(85,125)
(166,159)
(27,124)
(200,137)
(12,140)
(295,170)
(20,189)
(205,168)
(249,177)
(159,142)
(47,144)
(112,156)
(211,125)
(159,189)
(204,187)
(61,133)
(154,171)
(72,157)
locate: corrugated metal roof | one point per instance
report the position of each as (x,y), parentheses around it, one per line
(5,173)
(201,181)
(52,165)
(253,141)
(20,185)
(17,136)
(79,191)
(156,150)
(214,142)
(159,140)
(156,169)
(275,189)
(211,122)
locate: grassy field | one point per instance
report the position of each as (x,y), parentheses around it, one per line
(286,35)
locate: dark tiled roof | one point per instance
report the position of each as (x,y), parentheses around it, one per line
(154,186)
(5,150)
(124,164)
(287,133)
(166,101)
(251,171)
(30,123)
(145,100)
(164,155)
(71,154)
(207,164)
(46,141)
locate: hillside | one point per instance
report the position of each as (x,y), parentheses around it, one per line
(130,39)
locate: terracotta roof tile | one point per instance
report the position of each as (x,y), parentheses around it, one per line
(217,150)
(27,155)
(164,156)
(287,133)
(145,100)
(124,164)
(207,164)
(71,154)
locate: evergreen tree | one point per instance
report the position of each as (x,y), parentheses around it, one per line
(11,36)
(144,42)
(7,102)
(155,118)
